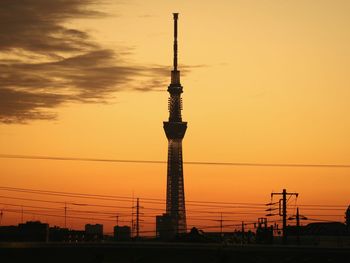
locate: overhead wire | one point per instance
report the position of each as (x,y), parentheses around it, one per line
(194,215)
(112,197)
(252,164)
(145,199)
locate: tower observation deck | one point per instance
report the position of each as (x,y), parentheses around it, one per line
(175,130)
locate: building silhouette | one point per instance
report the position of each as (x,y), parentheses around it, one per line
(347,218)
(122,233)
(93,232)
(31,231)
(175,130)
(34,231)
(165,227)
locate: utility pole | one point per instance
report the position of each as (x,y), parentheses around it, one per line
(22,215)
(242,241)
(137,218)
(1,215)
(284,211)
(132,215)
(65,215)
(298,226)
(221,225)
(284,215)
(135,225)
(298,219)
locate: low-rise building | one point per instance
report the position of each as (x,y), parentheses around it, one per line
(122,233)
(93,232)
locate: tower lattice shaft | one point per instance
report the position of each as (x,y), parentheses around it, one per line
(175,130)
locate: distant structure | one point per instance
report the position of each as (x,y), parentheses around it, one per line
(264,234)
(347,218)
(93,232)
(122,233)
(165,227)
(175,130)
(31,231)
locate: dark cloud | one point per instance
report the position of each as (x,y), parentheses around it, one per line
(36,25)
(44,63)
(18,106)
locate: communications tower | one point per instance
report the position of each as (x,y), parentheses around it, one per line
(175,130)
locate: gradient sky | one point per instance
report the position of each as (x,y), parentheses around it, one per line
(264,81)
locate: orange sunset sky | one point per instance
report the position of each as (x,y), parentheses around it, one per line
(264,82)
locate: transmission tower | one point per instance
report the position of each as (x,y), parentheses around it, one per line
(175,130)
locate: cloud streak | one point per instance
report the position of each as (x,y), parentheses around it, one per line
(45,64)
(36,25)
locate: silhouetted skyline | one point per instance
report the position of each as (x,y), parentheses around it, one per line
(266,88)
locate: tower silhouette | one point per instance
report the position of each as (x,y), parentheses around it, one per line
(175,130)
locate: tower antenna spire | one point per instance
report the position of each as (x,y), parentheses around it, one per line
(176,16)
(175,74)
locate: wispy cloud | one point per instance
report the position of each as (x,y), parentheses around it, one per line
(44,63)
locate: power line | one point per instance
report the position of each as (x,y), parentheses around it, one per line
(55,209)
(192,218)
(246,211)
(127,199)
(56,214)
(250,206)
(322,220)
(73,211)
(129,207)
(161,201)
(73,217)
(63,194)
(252,164)
(61,202)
